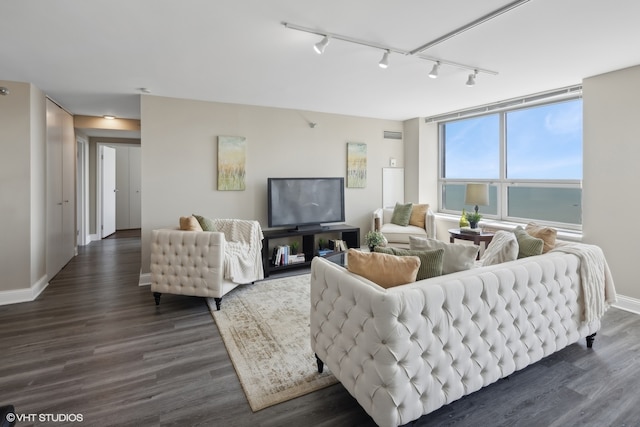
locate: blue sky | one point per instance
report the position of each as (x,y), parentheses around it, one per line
(543,142)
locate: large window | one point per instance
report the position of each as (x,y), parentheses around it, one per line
(530,157)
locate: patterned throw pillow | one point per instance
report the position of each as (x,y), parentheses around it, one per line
(430,261)
(206,223)
(503,248)
(401,214)
(527,245)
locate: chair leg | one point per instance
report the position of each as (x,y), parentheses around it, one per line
(590,340)
(156,295)
(218,302)
(320,364)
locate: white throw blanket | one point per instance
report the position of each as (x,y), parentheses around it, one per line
(243,249)
(597,283)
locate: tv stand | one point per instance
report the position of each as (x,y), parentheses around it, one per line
(348,233)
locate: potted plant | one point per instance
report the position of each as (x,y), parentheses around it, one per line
(373,239)
(473,218)
(294,247)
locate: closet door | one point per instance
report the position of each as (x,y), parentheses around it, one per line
(54,189)
(61,169)
(135,196)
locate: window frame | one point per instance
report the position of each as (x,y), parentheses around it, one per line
(502,182)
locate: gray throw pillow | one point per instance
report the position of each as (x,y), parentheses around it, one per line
(457,256)
(401,214)
(430,261)
(205,223)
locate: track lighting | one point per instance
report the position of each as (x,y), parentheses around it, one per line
(4,91)
(384,62)
(434,71)
(471,81)
(321,45)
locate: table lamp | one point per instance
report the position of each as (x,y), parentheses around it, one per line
(477,194)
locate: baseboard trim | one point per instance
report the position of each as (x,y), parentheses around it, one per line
(145,279)
(628,304)
(94,237)
(15,296)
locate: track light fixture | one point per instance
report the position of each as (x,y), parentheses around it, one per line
(321,45)
(434,71)
(471,81)
(384,62)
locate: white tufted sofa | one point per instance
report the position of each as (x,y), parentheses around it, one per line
(193,263)
(406,351)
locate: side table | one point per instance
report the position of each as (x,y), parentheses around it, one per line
(485,237)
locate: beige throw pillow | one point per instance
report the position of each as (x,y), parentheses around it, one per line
(503,248)
(189,223)
(547,234)
(384,269)
(457,256)
(418,214)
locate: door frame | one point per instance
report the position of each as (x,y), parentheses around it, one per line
(82,191)
(99,173)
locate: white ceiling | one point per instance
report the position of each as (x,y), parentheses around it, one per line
(92,56)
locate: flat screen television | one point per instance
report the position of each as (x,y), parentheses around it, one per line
(305,203)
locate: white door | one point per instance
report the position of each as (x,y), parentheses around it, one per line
(108,191)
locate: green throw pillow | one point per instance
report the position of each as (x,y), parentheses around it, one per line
(527,244)
(430,261)
(205,223)
(402,214)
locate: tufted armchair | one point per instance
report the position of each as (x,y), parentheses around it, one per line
(397,235)
(203,263)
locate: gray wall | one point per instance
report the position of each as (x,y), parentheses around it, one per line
(610,203)
(22,187)
(179,159)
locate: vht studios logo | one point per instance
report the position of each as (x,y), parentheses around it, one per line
(44,418)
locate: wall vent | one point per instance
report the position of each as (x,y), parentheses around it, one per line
(392,134)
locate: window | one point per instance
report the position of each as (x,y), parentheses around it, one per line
(531,157)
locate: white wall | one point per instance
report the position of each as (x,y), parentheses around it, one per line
(179,159)
(610,203)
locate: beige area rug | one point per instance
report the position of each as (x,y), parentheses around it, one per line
(265,327)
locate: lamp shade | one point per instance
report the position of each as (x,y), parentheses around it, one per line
(477,194)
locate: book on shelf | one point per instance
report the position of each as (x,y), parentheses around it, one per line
(323,252)
(338,245)
(296,259)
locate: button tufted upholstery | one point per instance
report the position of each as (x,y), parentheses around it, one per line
(406,351)
(189,263)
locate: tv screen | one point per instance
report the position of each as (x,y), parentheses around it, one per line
(304,202)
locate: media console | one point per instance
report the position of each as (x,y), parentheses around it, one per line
(348,233)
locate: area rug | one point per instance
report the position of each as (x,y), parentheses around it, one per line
(265,328)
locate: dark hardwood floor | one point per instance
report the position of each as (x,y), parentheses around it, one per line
(95,344)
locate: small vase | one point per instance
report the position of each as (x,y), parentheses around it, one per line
(473,224)
(371,248)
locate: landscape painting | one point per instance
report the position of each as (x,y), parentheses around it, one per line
(232,154)
(356,165)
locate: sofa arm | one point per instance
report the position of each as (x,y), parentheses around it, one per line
(187,262)
(430,224)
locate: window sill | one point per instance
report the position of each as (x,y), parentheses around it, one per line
(563,234)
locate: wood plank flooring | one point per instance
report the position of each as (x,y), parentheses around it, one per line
(94,343)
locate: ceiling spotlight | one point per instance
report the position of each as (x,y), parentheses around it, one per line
(384,62)
(471,81)
(4,91)
(434,71)
(321,45)
(108,117)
